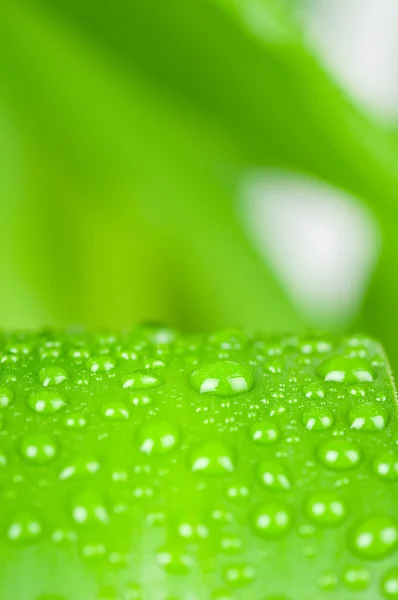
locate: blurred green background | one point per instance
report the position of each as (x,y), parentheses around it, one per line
(200,163)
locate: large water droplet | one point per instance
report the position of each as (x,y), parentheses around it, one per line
(80,467)
(158,437)
(38,449)
(272,520)
(100,364)
(222,378)
(213,458)
(88,508)
(374,537)
(115,411)
(339,454)
(175,561)
(346,369)
(317,418)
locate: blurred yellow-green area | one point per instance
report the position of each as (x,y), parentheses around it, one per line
(199,163)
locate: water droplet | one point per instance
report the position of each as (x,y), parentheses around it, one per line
(158,437)
(315,392)
(88,508)
(80,467)
(389,584)
(374,537)
(39,449)
(75,420)
(100,364)
(274,476)
(6,397)
(272,520)
(346,369)
(174,561)
(339,454)
(46,402)
(25,527)
(356,578)
(317,418)
(222,378)
(367,417)
(386,465)
(50,376)
(325,509)
(328,581)
(231,543)
(237,492)
(213,458)
(141,380)
(239,575)
(264,432)
(228,339)
(115,411)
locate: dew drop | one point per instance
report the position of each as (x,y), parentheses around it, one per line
(274,476)
(213,458)
(346,369)
(317,418)
(356,578)
(231,544)
(239,575)
(88,508)
(158,437)
(325,509)
(314,392)
(75,420)
(386,465)
(228,339)
(222,378)
(367,417)
(264,432)
(80,467)
(100,364)
(50,376)
(272,520)
(141,380)
(25,527)
(389,584)
(115,411)
(6,397)
(46,402)
(374,538)
(38,449)
(339,454)
(174,561)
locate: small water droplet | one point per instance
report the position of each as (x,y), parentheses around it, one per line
(317,418)
(374,537)
(386,465)
(38,449)
(80,467)
(325,508)
(174,561)
(100,364)
(389,584)
(356,578)
(6,397)
(25,527)
(213,458)
(115,411)
(53,375)
(88,508)
(158,437)
(346,369)
(339,454)
(222,378)
(272,520)
(141,380)
(264,432)
(274,476)
(239,575)
(314,392)
(367,417)
(75,420)
(46,402)
(231,543)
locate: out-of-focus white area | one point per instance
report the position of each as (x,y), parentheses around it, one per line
(358,42)
(320,241)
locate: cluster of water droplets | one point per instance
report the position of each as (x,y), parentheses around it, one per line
(227,466)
